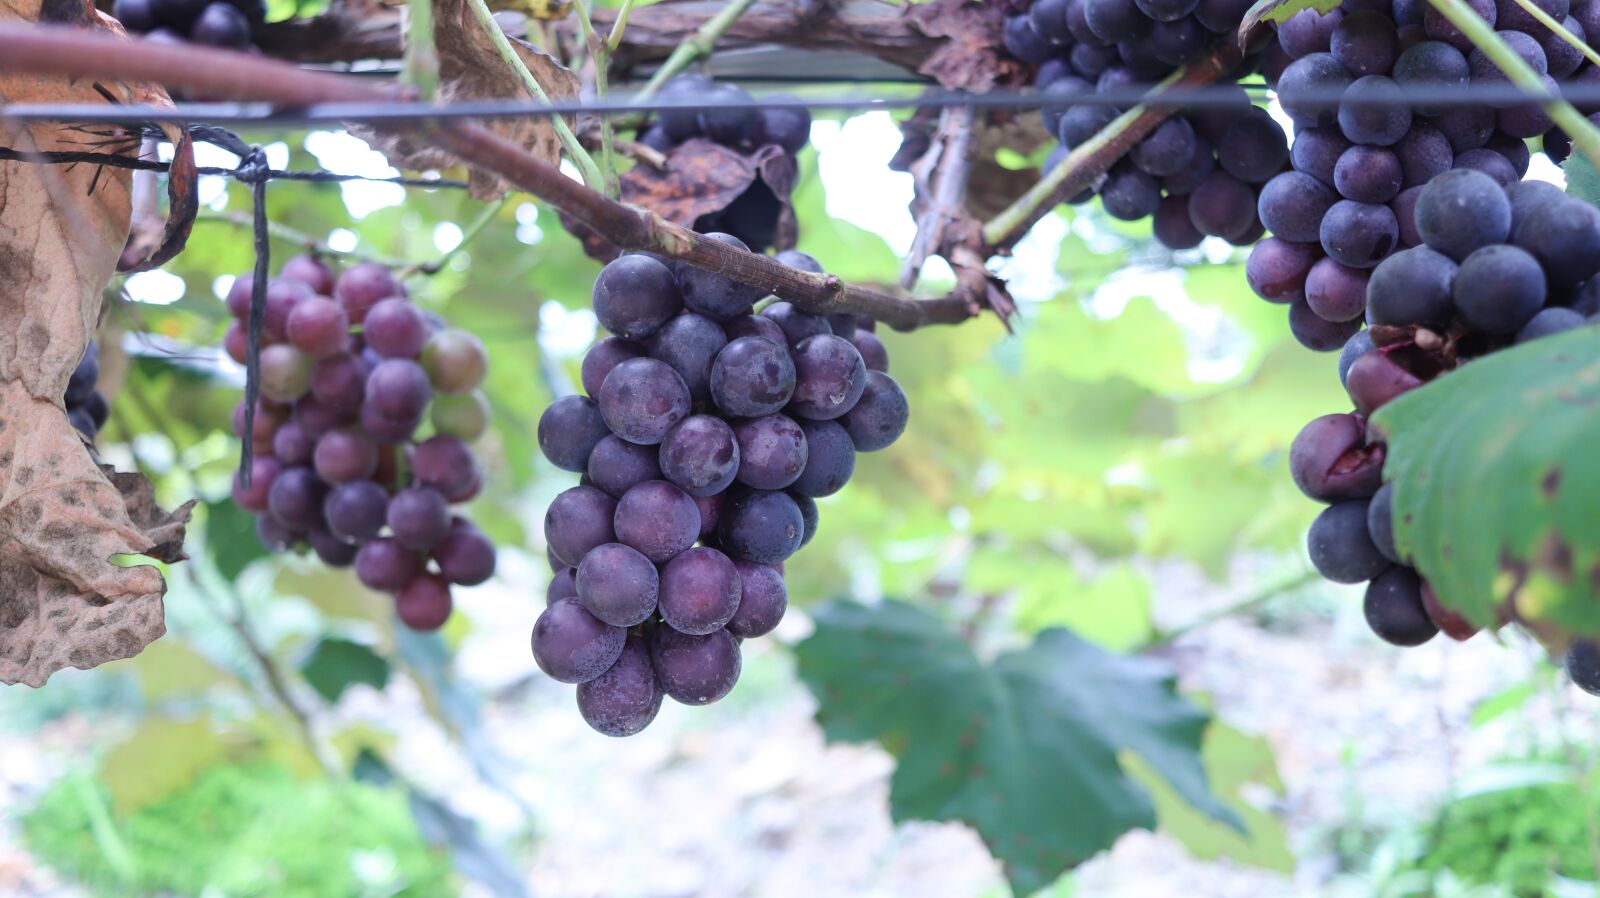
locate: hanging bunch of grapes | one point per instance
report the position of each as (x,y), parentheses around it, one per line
(1197,173)
(353,374)
(706,435)
(222,23)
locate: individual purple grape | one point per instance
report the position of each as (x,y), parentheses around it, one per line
(796,323)
(1316,152)
(772,451)
(634,296)
(756,326)
(295,498)
(291,445)
(276,537)
(1316,333)
(563,585)
(1359,234)
(1337,292)
(339,382)
(419,516)
(345,455)
(699,591)
(310,271)
(1256,147)
(569,430)
(1340,547)
(263,470)
(695,670)
(762,603)
(1394,609)
(424,604)
(444,463)
(331,550)
(829,377)
(363,286)
(1330,459)
(318,327)
(355,512)
(317,419)
(1440,28)
(281,298)
(1222,206)
(713,295)
(658,519)
(602,357)
(455,360)
(617,465)
(385,430)
(625,699)
(1172,227)
(880,416)
(573,646)
(761,526)
(398,389)
(710,512)
(618,585)
(642,399)
(872,350)
(578,520)
(830,457)
(689,343)
(752,376)
(1276,269)
(386,566)
(1306,88)
(1292,206)
(395,329)
(700,455)
(465,556)
(809,519)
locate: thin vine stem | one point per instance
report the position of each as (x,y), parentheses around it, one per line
(1269,593)
(1585,136)
(696,46)
(618,26)
(468,234)
(421,64)
(600,56)
(569,141)
(1560,30)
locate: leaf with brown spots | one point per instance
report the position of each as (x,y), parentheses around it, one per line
(471,69)
(971,58)
(1496,479)
(1024,749)
(62,520)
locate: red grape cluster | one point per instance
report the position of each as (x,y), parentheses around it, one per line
(1361,159)
(1492,267)
(706,435)
(350,370)
(1196,173)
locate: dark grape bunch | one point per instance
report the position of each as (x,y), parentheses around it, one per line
(86,406)
(351,371)
(1360,164)
(223,23)
(1196,173)
(751,216)
(1492,267)
(706,435)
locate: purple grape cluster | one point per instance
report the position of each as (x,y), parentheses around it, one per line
(752,216)
(1198,173)
(351,370)
(1360,162)
(705,436)
(215,23)
(1493,266)
(86,406)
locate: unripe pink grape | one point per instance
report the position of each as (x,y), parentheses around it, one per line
(340,382)
(311,272)
(455,360)
(285,372)
(462,415)
(362,286)
(395,329)
(237,343)
(344,455)
(318,327)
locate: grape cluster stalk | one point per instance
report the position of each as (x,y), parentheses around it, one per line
(1197,173)
(752,216)
(352,374)
(704,437)
(229,24)
(1360,162)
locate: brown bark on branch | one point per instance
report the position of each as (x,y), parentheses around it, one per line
(235,76)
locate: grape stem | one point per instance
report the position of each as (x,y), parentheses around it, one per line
(1255,600)
(1585,136)
(508,54)
(945,187)
(66,52)
(696,46)
(600,57)
(468,234)
(421,66)
(1089,161)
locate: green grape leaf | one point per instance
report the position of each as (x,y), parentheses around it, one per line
(1495,480)
(337,664)
(1024,749)
(1583,181)
(231,539)
(1234,763)
(1279,11)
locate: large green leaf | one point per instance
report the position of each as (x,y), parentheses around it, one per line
(1024,749)
(1496,479)
(337,664)
(231,539)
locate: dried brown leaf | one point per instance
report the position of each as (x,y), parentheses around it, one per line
(62,521)
(971,57)
(471,69)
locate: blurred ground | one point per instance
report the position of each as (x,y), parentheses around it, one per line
(745,799)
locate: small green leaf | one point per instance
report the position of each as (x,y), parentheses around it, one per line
(1503,702)
(1025,750)
(337,664)
(1495,482)
(231,539)
(1582,180)
(1279,11)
